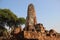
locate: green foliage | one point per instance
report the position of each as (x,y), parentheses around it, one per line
(10,18)
(6,13)
(7,16)
(21,20)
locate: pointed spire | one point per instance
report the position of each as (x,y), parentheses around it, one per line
(31,17)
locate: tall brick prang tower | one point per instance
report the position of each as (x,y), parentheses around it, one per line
(31,18)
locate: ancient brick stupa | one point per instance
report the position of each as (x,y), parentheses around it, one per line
(31,26)
(34,30)
(31,22)
(31,18)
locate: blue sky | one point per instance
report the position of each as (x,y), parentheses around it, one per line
(47,11)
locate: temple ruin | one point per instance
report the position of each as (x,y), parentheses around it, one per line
(34,30)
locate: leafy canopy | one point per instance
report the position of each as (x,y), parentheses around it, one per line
(10,18)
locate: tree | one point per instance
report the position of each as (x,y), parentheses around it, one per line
(6,13)
(21,21)
(7,17)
